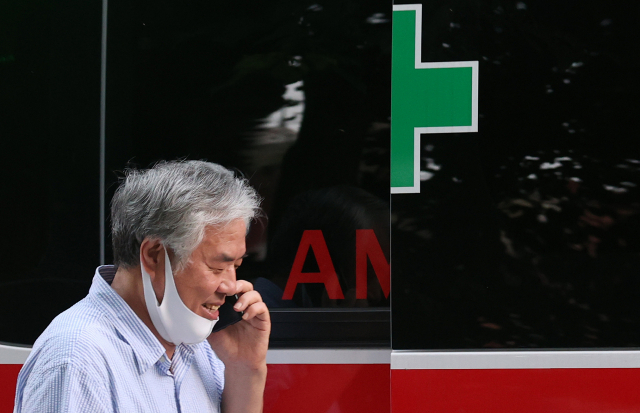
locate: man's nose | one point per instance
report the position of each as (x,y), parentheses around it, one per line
(228,284)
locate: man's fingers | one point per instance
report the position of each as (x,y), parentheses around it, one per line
(247,299)
(258,310)
(250,301)
(242,287)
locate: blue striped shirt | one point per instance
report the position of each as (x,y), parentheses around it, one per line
(98,356)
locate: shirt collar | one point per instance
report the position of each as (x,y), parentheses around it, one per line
(146,348)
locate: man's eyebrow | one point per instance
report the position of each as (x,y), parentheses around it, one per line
(227,258)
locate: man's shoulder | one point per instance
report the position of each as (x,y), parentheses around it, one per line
(68,362)
(77,336)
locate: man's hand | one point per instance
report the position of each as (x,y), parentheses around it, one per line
(242,347)
(245,343)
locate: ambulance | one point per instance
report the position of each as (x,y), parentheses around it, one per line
(450,188)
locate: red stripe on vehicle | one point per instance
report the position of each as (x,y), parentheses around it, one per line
(516,390)
(8,380)
(322,388)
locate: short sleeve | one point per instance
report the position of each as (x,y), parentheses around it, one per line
(63,389)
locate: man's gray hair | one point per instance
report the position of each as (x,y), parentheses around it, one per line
(175,202)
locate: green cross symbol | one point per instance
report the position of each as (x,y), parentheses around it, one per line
(425,98)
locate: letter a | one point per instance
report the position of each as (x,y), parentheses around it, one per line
(315,240)
(367,245)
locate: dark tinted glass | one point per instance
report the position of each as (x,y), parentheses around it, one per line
(293,95)
(49,126)
(526,234)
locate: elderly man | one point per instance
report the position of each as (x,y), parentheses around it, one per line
(141,340)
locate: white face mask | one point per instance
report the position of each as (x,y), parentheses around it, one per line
(174,321)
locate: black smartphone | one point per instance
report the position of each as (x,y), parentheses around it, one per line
(228,316)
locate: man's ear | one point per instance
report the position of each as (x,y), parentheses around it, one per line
(152,257)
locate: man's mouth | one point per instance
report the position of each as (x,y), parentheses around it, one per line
(210,311)
(211,307)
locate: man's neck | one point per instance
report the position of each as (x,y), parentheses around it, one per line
(128,284)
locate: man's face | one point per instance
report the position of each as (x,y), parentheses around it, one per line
(211,272)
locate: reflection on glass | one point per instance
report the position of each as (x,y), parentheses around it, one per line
(525,235)
(295,96)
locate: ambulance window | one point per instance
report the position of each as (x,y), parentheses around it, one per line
(297,100)
(49,126)
(532,224)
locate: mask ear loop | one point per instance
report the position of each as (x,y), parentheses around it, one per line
(152,301)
